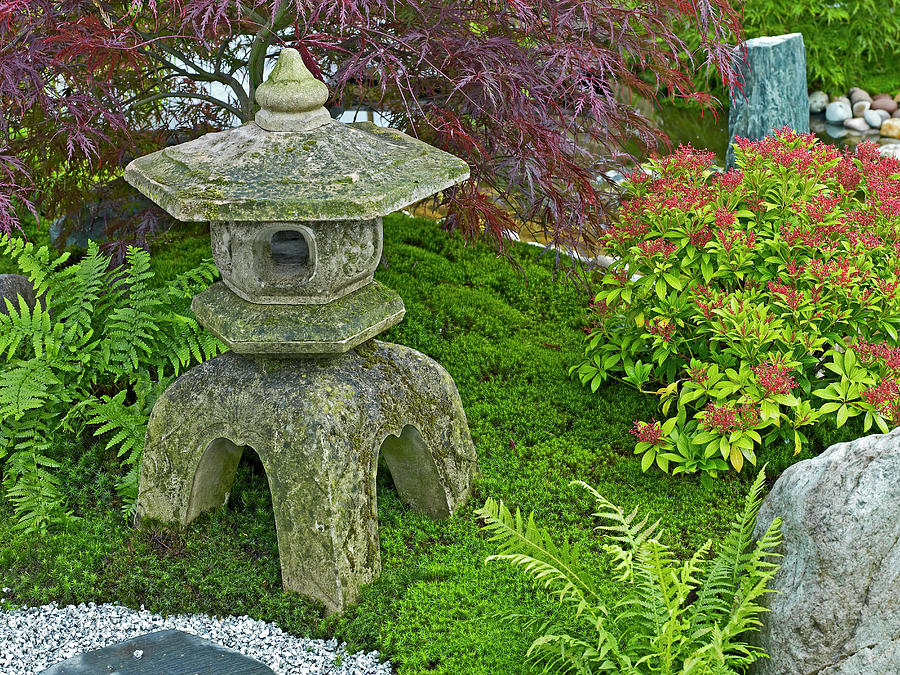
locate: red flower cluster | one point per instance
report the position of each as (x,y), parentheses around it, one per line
(887,287)
(845,173)
(701,237)
(663,330)
(647,432)
(724,219)
(820,206)
(884,397)
(726,417)
(687,160)
(874,352)
(788,149)
(792,297)
(698,373)
(657,246)
(729,238)
(715,301)
(730,180)
(794,270)
(775,379)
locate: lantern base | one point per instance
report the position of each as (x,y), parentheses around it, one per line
(318,426)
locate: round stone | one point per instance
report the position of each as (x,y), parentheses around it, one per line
(837,112)
(878,97)
(888,104)
(891,128)
(856,124)
(860,107)
(857,95)
(818,100)
(873,118)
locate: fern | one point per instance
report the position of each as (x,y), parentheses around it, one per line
(94,328)
(672,616)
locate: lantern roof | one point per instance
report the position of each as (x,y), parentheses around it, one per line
(294,163)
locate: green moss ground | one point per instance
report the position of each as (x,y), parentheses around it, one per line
(507,335)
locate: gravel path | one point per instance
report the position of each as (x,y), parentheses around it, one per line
(35,638)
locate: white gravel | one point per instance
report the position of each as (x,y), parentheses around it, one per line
(35,638)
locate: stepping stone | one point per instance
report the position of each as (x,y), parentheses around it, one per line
(165,652)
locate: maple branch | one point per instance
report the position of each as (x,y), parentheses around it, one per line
(189,94)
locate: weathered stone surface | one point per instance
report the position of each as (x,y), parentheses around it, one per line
(333,172)
(291,99)
(165,652)
(892,151)
(817,102)
(298,330)
(318,426)
(12,286)
(837,112)
(774,80)
(837,606)
(296,263)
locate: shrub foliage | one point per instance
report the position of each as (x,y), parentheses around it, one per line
(672,617)
(753,302)
(97,349)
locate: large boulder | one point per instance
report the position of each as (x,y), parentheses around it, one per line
(836,610)
(12,286)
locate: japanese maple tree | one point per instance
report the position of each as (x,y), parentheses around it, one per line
(533,94)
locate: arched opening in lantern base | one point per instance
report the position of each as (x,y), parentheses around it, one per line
(414,472)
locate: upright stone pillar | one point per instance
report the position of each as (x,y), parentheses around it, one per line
(773,72)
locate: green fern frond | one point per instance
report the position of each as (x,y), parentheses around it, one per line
(530,547)
(628,536)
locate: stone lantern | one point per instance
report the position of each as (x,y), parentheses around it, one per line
(295,201)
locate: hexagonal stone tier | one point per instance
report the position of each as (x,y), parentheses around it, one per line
(298,330)
(334,172)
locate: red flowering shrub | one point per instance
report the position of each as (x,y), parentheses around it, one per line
(753,302)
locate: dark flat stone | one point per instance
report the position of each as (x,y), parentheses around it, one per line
(165,652)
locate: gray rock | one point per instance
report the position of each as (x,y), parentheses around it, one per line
(837,606)
(11,287)
(172,652)
(773,72)
(837,112)
(860,107)
(891,150)
(841,99)
(873,118)
(856,124)
(318,426)
(817,101)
